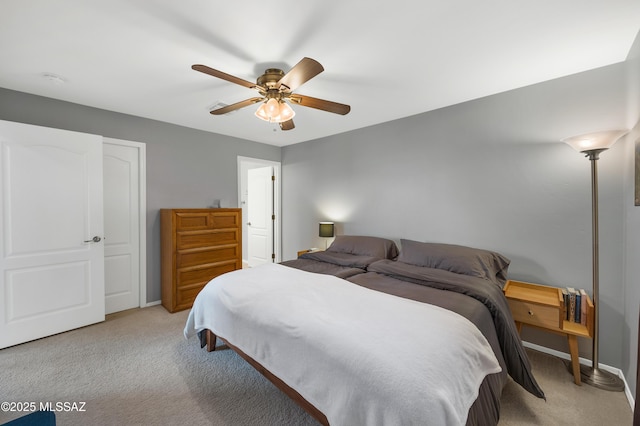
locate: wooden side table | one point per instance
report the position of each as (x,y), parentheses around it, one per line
(311,250)
(543,307)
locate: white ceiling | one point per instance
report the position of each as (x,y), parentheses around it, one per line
(386,59)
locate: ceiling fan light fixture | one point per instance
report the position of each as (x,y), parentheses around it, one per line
(274,111)
(275,87)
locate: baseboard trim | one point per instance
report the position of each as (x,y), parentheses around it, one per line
(588,362)
(148,304)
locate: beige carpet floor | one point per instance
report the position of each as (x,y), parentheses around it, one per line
(136,368)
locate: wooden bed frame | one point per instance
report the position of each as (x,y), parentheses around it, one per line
(210,342)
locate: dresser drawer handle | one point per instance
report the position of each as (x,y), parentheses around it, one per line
(531,313)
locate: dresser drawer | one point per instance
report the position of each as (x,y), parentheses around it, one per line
(192,221)
(185,296)
(203,274)
(223,219)
(535,314)
(208,255)
(194,239)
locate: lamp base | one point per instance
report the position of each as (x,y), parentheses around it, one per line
(599,378)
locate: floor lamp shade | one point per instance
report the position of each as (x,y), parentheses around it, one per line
(592,145)
(599,141)
(326,229)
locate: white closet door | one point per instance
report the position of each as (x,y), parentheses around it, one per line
(122,243)
(51,229)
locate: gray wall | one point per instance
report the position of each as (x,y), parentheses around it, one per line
(490,173)
(632,220)
(185,167)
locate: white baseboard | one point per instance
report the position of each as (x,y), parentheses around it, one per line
(588,362)
(157,302)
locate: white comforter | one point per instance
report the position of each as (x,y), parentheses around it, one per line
(360,356)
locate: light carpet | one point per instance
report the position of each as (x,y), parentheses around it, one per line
(136,368)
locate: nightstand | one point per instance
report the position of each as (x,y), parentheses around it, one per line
(543,307)
(311,250)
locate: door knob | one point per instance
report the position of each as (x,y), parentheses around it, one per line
(95,239)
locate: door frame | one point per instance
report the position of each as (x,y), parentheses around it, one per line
(142,213)
(277,208)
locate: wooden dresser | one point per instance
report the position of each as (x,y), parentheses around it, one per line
(196,246)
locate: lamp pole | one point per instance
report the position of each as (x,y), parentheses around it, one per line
(593,375)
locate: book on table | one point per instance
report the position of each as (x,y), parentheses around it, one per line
(575,305)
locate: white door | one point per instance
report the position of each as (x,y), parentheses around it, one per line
(260,215)
(51,270)
(122,224)
(244,165)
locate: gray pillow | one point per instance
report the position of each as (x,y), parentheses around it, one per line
(454,258)
(366,246)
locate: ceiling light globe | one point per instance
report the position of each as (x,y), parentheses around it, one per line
(286,112)
(273,108)
(261,113)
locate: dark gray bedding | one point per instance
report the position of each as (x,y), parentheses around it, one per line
(348,255)
(486,409)
(476,290)
(347,260)
(322,267)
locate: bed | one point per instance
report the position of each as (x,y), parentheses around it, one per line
(426,338)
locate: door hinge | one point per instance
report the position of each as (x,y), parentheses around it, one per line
(273,177)
(273,256)
(273,217)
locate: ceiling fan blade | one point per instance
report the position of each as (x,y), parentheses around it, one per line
(301,72)
(316,103)
(287,125)
(223,75)
(237,105)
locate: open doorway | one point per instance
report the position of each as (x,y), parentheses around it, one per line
(259,198)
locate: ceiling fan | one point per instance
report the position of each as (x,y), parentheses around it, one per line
(275,88)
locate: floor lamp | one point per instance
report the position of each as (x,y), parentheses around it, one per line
(592,145)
